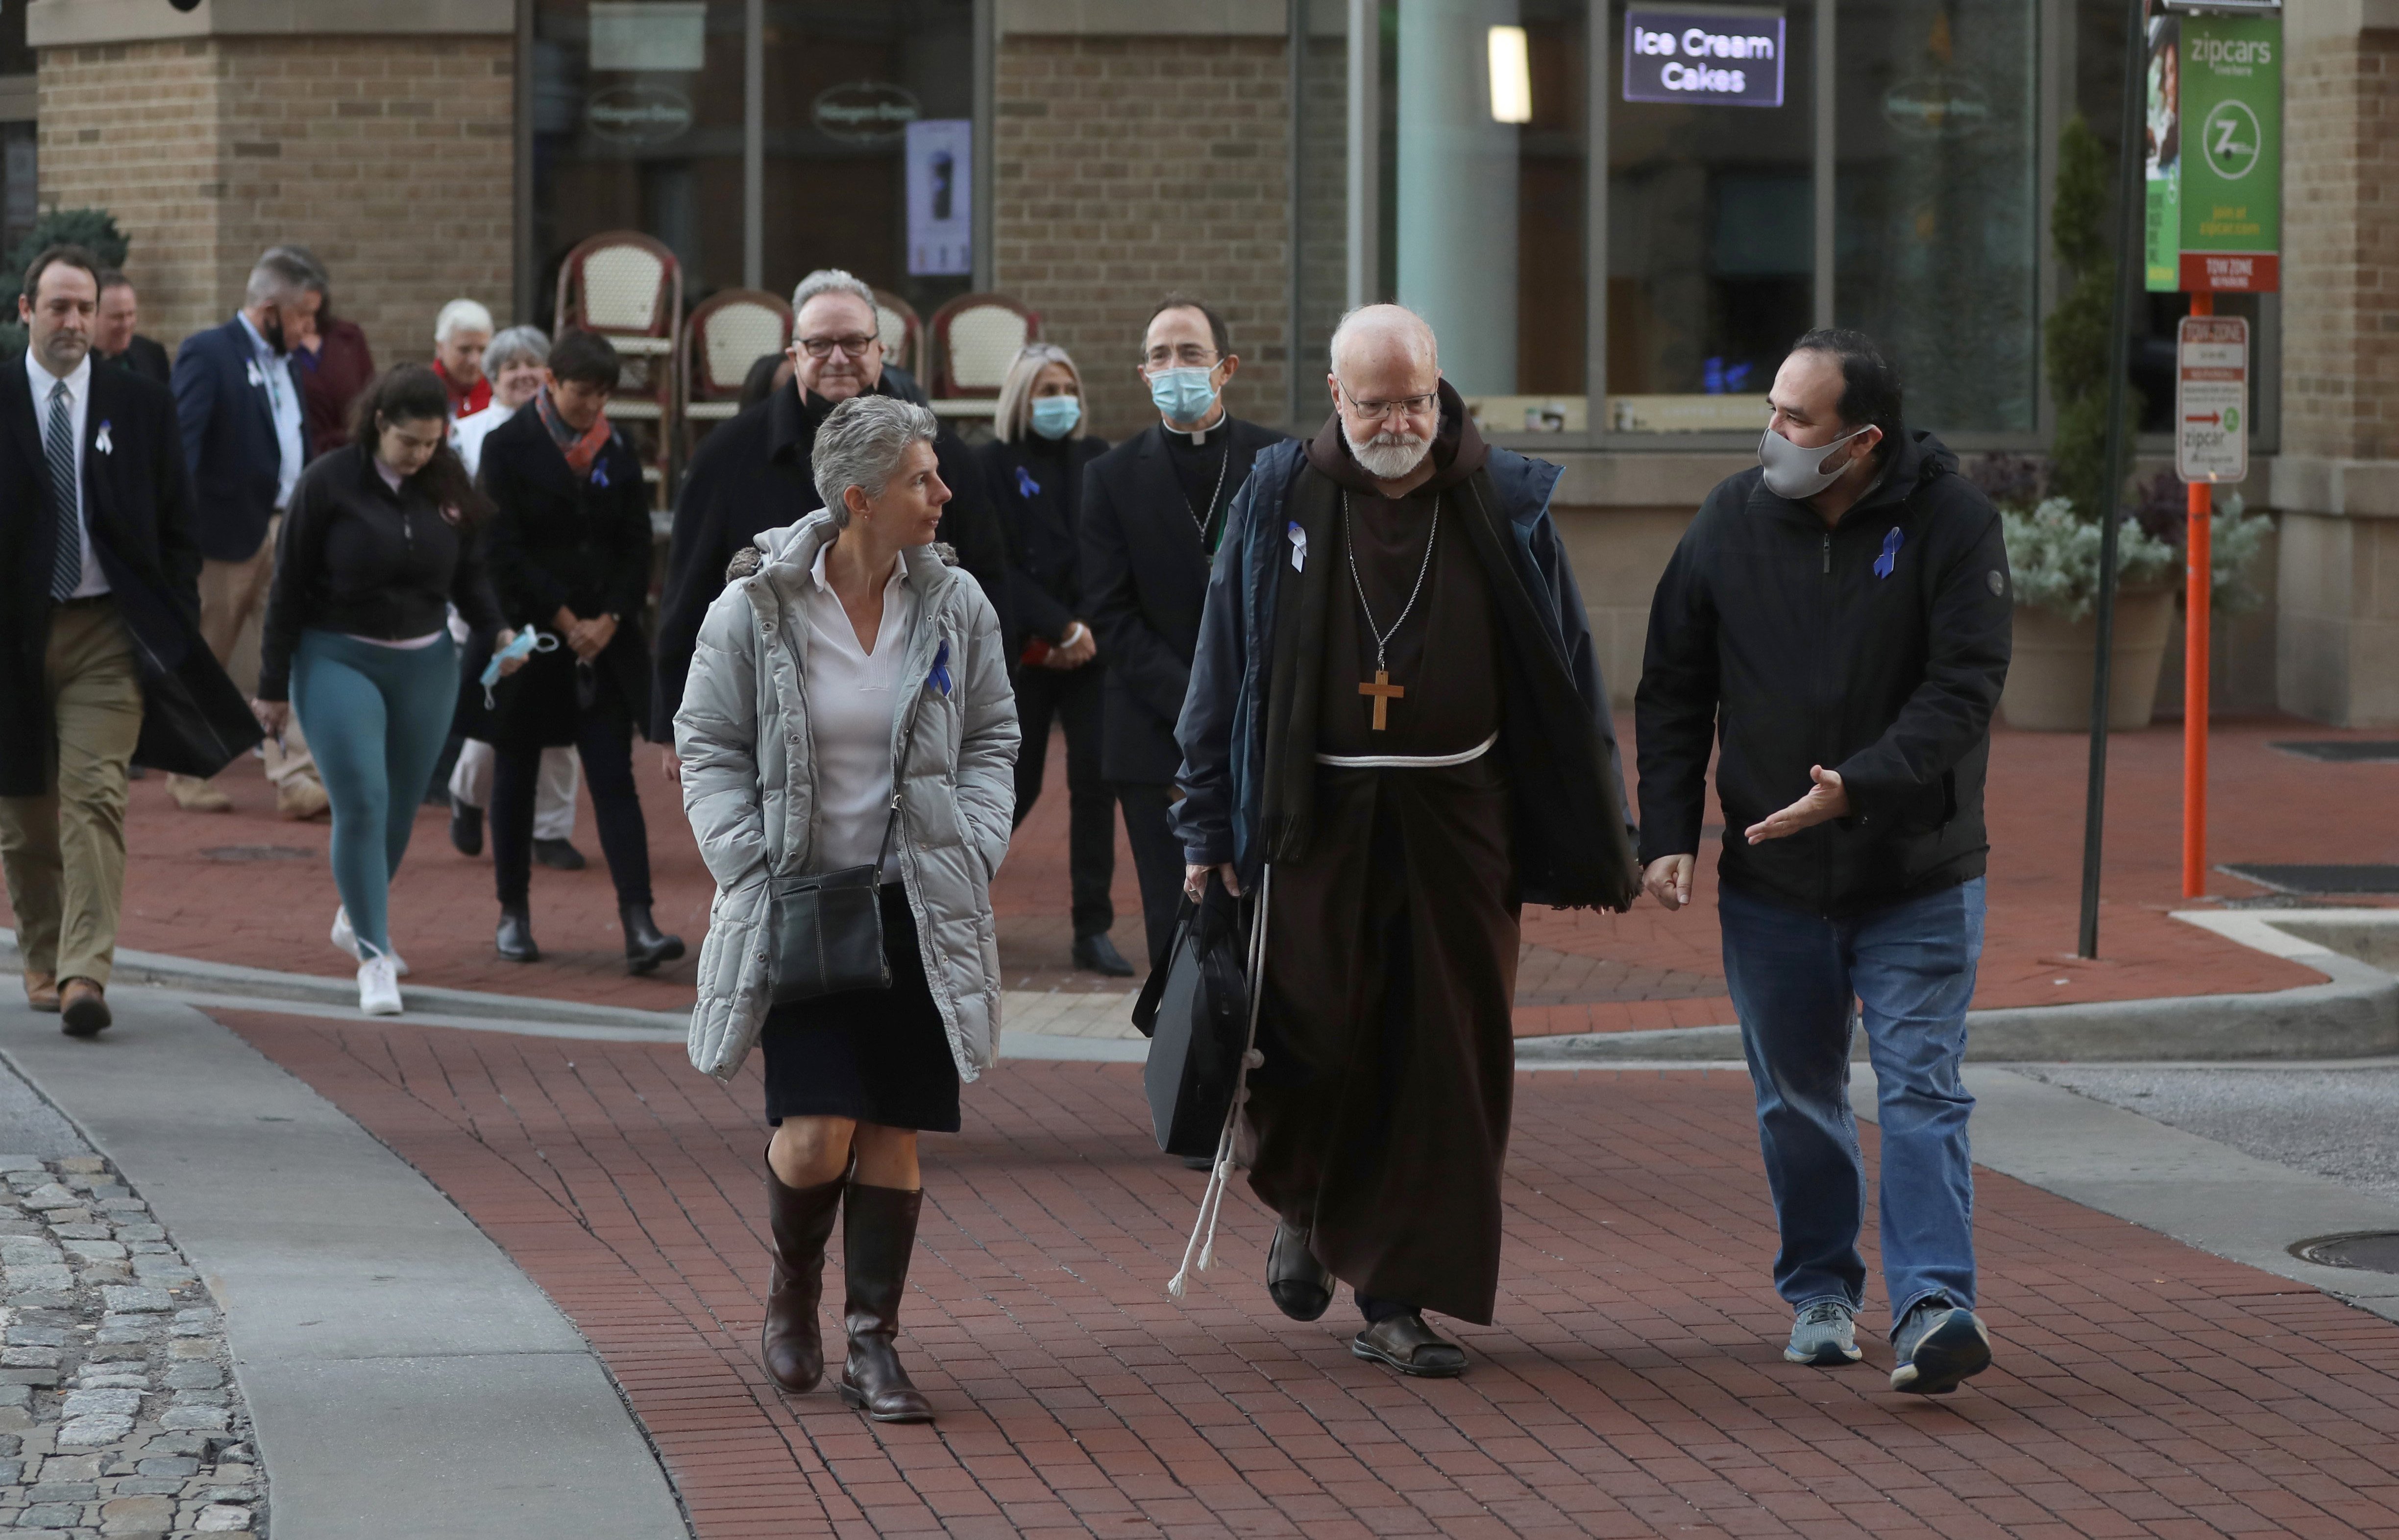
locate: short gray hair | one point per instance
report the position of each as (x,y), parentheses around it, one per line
(832,280)
(278,277)
(517,345)
(862,442)
(468,314)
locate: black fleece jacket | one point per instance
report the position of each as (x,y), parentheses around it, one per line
(358,558)
(1800,647)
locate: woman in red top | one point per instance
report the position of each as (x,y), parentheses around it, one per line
(460,334)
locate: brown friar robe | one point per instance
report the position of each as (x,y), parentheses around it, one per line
(1378,1121)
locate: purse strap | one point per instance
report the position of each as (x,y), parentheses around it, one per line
(898,781)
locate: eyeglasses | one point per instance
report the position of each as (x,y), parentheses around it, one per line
(818,347)
(1405,406)
(1189,356)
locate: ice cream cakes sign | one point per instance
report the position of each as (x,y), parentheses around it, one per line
(1725,56)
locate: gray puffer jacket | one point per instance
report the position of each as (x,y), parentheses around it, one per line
(743,738)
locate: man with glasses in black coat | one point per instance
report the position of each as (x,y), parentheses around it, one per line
(1153,513)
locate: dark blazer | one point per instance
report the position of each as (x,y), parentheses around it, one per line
(752,474)
(229,440)
(1145,585)
(1042,529)
(137,498)
(560,539)
(144,357)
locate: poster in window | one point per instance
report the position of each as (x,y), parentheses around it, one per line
(940,194)
(649,34)
(1725,56)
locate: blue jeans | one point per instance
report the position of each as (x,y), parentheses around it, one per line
(1908,970)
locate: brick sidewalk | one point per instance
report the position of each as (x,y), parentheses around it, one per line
(199,887)
(1633,1386)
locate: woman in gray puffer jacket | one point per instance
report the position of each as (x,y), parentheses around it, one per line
(844,645)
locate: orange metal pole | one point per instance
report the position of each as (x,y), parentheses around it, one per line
(2199,579)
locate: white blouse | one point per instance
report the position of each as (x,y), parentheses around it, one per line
(853,699)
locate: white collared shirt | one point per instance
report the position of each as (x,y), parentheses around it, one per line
(79,412)
(853,701)
(273,372)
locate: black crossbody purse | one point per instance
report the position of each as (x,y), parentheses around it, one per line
(828,925)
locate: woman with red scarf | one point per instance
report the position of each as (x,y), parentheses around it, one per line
(569,554)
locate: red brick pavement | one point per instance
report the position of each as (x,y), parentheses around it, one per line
(1633,1386)
(1656,969)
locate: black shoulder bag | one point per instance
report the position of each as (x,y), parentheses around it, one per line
(828,925)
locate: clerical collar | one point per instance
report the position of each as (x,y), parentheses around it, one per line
(1204,437)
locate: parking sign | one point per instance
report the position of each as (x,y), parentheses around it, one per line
(2211,398)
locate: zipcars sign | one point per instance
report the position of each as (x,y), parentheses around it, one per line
(1726,55)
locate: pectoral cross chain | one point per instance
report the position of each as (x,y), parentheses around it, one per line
(1384,692)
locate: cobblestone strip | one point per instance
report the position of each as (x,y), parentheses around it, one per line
(119,1414)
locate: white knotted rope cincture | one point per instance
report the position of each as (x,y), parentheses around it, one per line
(1212,1200)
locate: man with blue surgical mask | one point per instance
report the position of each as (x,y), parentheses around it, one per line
(1834,628)
(1153,513)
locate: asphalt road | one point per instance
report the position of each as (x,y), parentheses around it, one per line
(2339,1121)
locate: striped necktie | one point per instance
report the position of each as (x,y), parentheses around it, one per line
(59,448)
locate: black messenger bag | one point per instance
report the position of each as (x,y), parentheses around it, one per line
(1196,1012)
(828,925)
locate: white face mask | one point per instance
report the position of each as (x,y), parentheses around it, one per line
(1796,473)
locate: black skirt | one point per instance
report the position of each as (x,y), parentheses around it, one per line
(878,1056)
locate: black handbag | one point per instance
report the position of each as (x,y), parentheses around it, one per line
(828,925)
(1194,1010)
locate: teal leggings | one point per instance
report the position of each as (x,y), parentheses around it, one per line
(376,719)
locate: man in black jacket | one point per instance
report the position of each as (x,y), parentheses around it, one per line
(116,339)
(1152,512)
(96,543)
(1840,618)
(752,474)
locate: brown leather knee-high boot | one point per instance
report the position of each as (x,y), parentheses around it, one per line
(878,1235)
(802,1219)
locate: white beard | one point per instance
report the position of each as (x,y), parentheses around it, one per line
(1388,456)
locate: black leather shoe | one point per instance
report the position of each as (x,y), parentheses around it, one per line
(646,945)
(1409,1345)
(1096,953)
(1300,1286)
(466,829)
(515,938)
(559,855)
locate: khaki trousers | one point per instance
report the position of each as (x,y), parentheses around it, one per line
(64,853)
(233,596)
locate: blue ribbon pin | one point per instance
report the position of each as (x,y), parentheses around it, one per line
(940,678)
(1889,560)
(1026,486)
(598,473)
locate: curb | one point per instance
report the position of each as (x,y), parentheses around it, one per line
(2355,1015)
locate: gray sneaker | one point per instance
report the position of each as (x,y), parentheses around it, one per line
(1938,1347)
(1825,1334)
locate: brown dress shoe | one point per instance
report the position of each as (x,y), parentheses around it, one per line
(879,1235)
(195,795)
(802,1221)
(84,1008)
(1409,1345)
(42,992)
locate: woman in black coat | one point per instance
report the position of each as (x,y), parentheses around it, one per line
(569,553)
(1035,475)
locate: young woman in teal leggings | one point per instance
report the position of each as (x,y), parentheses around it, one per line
(378,542)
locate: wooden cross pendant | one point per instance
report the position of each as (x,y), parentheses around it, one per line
(1384,692)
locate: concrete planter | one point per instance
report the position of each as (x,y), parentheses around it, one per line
(2049,678)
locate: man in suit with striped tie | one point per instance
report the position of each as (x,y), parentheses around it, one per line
(99,568)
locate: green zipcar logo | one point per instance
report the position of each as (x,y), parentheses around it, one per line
(2232,138)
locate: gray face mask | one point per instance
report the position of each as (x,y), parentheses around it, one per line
(1793,472)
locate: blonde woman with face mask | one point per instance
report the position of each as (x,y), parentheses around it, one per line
(1034,473)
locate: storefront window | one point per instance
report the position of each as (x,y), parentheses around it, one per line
(1937,236)
(639,111)
(1711,210)
(1486,226)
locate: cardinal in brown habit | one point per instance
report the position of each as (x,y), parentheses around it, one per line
(1396,735)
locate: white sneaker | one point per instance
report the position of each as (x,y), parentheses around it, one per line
(378,987)
(347,940)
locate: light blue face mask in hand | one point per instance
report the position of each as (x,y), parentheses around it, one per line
(527,642)
(1055,416)
(1183,394)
